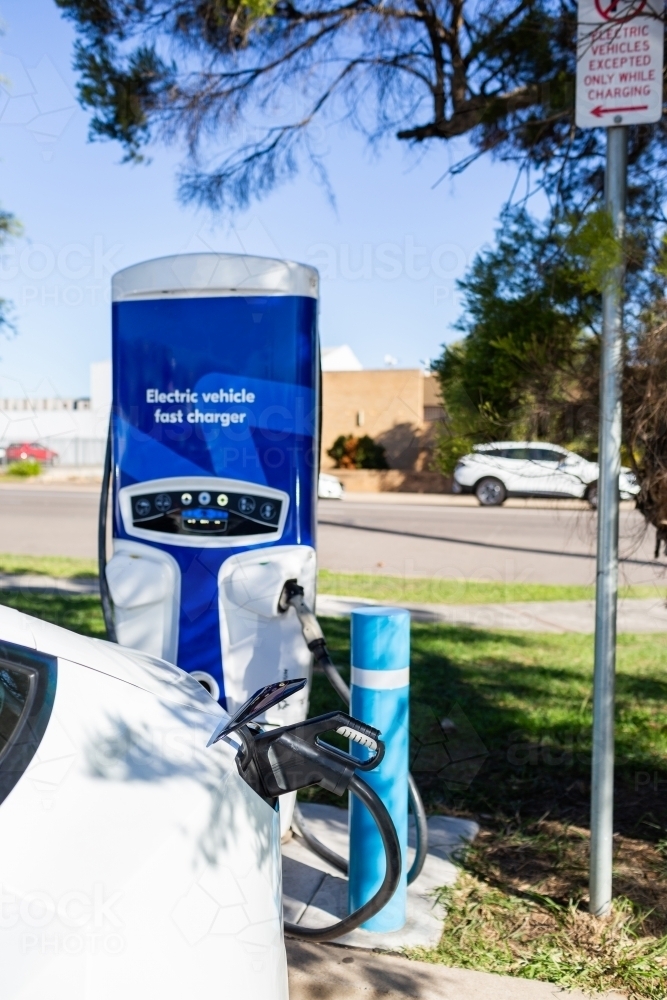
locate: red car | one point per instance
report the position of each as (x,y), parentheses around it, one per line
(34,452)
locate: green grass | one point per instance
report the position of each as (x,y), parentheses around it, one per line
(519,712)
(514,753)
(63,567)
(492,930)
(519,908)
(417,590)
(425,590)
(500,727)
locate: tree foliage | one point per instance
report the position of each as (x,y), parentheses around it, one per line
(9,227)
(527,366)
(249,85)
(645,415)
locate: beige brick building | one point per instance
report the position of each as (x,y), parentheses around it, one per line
(396,407)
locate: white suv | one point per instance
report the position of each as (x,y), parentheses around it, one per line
(531,469)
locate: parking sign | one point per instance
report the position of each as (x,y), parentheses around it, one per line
(619,62)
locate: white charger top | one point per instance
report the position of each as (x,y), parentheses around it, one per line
(203,275)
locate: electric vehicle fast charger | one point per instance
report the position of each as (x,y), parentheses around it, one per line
(212,466)
(213,458)
(141,838)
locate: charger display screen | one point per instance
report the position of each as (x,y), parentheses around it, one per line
(206,520)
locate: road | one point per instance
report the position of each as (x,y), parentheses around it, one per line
(35,520)
(527,545)
(531,545)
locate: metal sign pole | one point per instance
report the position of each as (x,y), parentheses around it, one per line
(620,56)
(602,785)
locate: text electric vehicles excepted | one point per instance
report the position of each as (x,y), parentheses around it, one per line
(496,471)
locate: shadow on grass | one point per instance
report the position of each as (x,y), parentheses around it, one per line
(501,724)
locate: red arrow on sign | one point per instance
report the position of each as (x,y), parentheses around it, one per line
(599,111)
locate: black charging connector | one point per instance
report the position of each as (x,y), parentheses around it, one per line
(284,760)
(277,761)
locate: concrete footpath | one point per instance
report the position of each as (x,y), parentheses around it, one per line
(49,584)
(634,615)
(329,972)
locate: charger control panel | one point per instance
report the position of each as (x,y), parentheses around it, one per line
(203,512)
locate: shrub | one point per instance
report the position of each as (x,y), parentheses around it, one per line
(27,467)
(357,453)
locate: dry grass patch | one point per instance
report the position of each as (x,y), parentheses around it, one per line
(551,858)
(519,908)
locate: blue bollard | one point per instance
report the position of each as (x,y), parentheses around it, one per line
(380,691)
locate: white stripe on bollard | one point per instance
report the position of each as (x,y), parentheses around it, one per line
(381,680)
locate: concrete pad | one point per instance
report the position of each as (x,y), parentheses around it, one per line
(634,614)
(329,972)
(315,893)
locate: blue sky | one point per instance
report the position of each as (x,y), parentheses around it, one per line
(389,251)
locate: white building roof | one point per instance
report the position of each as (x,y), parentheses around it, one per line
(340,359)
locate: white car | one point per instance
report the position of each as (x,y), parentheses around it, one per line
(330,488)
(144,816)
(531,469)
